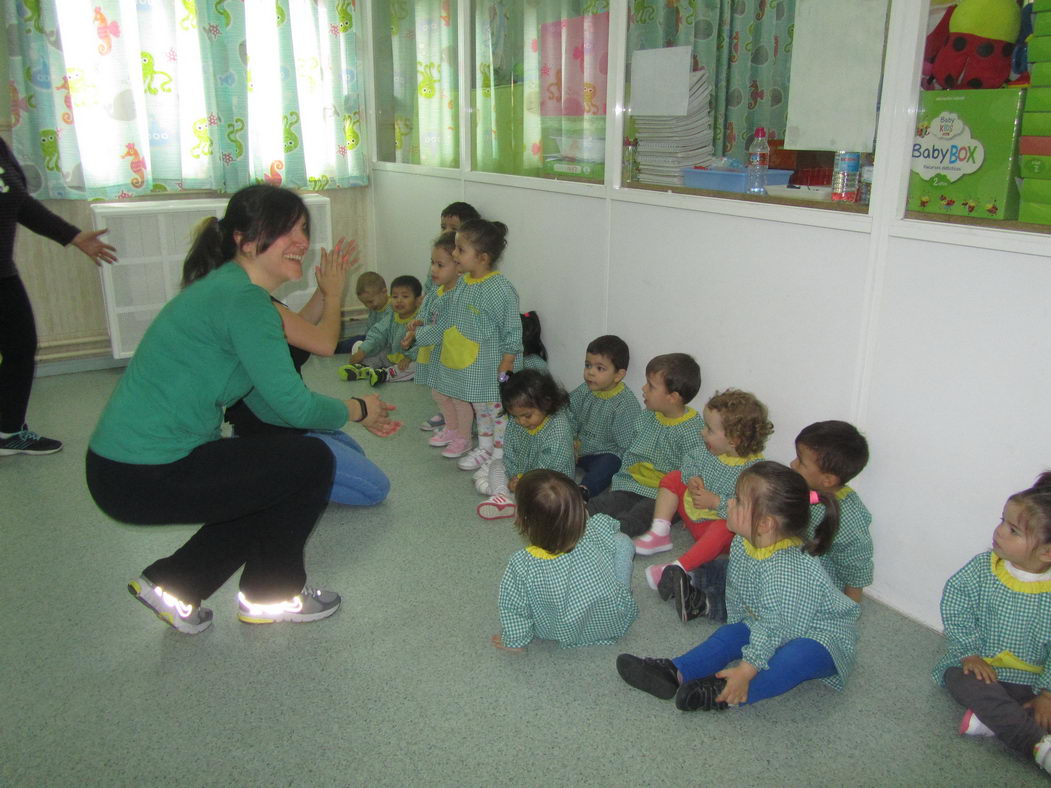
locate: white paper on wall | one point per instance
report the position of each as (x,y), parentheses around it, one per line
(660,81)
(837,60)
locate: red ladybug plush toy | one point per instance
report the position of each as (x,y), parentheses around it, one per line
(972,45)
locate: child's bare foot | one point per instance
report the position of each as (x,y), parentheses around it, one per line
(498,642)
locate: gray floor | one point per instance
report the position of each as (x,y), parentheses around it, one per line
(401,685)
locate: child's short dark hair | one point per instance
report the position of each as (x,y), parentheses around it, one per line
(446,241)
(487,237)
(370,280)
(461,210)
(612,347)
(679,371)
(551,511)
(532,344)
(745,420)
(409,282)
(777,491)
(533,388)
(840,449)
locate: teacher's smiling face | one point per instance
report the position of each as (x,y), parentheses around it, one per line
(280,262)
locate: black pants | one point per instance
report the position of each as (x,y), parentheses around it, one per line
(634,511)
(999,706)
(259,498)
(18,349)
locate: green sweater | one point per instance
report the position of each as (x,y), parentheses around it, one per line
(604,420)
(548,446)
(1002,618)
(217,341)
(782,593)
(658,447)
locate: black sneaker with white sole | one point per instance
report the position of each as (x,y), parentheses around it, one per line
(25,441)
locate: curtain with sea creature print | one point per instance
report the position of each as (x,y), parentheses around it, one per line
(746,45)
(120,98)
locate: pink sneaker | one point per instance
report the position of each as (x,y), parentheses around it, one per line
(440,438)
(653,575)
(457,448)
(497,507)
(970,725)
(651,544)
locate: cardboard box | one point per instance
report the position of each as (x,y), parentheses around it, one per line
(1036,124)
(1040,73)
(1038,99)
(1036,190)
(1035,167)
(1035,212)
(1039,49)
(964,160)
(1041,5)
(1034,146)
(1042,23)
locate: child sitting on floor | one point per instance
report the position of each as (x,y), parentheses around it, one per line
(997,616)
(572,583)
(787,622)
(371,289)
(384,340)
(735,429)
(664,434)
(604,412)
(828,455)
(539,435)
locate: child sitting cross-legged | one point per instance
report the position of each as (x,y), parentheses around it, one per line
(997,616)
(787,623)
(664,434)
(385,338)
(828,455)
(572,583)
(539,435)
(734,431)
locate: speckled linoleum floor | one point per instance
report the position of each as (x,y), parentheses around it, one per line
(401,686)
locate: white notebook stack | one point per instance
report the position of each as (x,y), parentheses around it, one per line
(667,143)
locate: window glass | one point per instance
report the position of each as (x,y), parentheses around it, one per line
(417,91)
(540,86)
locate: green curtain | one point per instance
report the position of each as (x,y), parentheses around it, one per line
(746,45)
(114,99)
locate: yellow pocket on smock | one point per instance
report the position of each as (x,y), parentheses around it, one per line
(423,355)
(458,352)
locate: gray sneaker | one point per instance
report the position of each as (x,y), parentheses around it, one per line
(187,619)
(311,604)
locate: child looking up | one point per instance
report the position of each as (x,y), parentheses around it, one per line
(997,616)
(384,339)
(572,583)
(604,411)
(734,432)
(539,436)
(664,434)
(828,455)
(787,622)
(481,334)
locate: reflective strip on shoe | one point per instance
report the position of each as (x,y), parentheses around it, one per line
(313,604)
(169,609)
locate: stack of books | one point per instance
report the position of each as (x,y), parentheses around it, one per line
(667,143)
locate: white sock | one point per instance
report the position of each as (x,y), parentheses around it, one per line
(661,527)
(1042,753)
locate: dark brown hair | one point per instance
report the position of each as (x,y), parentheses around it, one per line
(840,449)
(551,511)
(679,371)
(612,347)
(777,491)
(533,388)
(1036,509)
(486,237)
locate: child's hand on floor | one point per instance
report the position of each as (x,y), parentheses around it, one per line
(979,668)
(404,364)
(737,680)
(1041,706)
(499,643)
(357,358)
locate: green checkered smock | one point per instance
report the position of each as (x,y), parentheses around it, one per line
(533,361)
(991,613)
(572,597)
(658,447)
(720,474)
(604,420)
(782,593)
(481,324)
(386,335)
(548,446)
(426,353)
(376,315)
(849,560)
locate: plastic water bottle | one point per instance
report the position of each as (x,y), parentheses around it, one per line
(758,162)
(846,176)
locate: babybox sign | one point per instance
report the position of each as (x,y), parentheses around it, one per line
(963,154)
(946,148)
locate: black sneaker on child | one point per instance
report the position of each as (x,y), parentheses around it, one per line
(25,441)
(690,602)
(657,676)
(700,695)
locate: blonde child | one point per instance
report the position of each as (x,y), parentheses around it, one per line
(572,583)
(371,289)
(828,455)
(734,431)
(540,435)
(787,622)
(665,432)
(383,341)
(604,412)
(481,333)
(997,616)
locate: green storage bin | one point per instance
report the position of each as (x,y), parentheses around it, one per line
(1039,49)
(1034,212)
(1036,190)
(1038,99)
(1036,124)
(1035,167)
(1040,73)
(1042,24)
